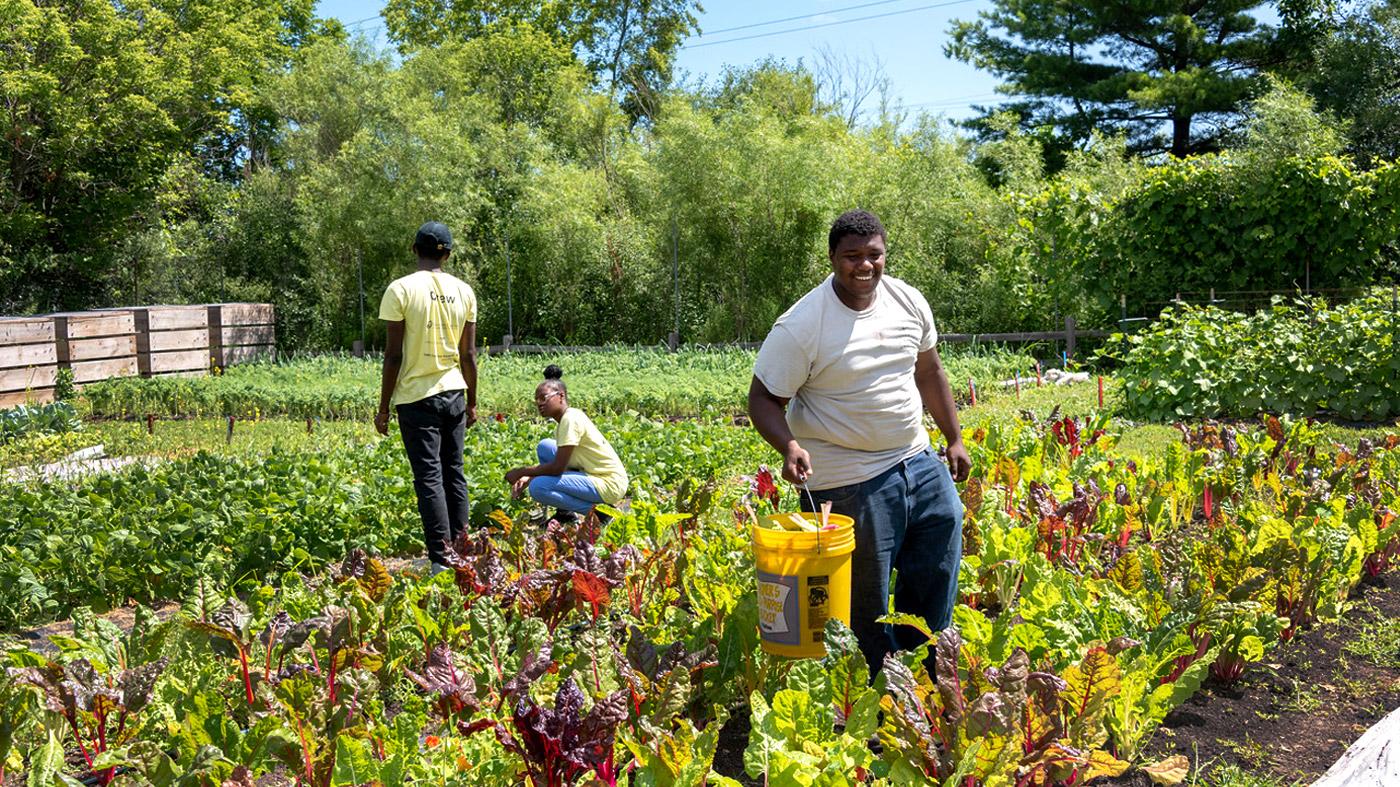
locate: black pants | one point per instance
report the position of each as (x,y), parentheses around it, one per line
(432,436)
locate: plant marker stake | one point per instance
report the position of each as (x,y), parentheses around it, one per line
(972,391)
(150,423)
(1018,385)
(308,426)
(1100,392)
(229,438)
(1064,358)
(1038,383)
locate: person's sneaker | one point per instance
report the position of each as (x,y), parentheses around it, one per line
(565,517)
(437,568)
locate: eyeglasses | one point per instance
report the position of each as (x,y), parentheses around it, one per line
(545,398)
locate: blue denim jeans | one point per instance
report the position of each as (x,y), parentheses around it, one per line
(907,518)
(572,491)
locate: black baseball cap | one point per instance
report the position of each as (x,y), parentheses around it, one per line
(433,236)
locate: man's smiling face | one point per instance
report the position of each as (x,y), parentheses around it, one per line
(857,263)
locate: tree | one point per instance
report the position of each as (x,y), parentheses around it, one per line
(1171,74)
(101,100)
(627,45)
(1356,75)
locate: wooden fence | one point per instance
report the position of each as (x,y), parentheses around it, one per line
(151,341)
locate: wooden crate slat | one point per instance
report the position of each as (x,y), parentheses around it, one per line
(187,373)
(28,377)
(233,356)
(162,341)
(171,318)
(233,335)
(26,330)
(89,325)
(17,398)
(225,314)
(104,369)
(177,361)
(102,348)
(28,355)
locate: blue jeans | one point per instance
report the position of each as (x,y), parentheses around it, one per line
(907,518)
(572,491)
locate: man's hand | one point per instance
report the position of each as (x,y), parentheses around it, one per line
(471,416)
(797,464)
(959,463)
(381,423)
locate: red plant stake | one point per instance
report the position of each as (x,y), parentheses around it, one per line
(1018,385)
(150,423)
(1100,392)
(972,391)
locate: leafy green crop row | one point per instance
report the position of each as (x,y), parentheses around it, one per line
(1299,358)
(1097,593)
(38,419)
(152,533)
(687,383)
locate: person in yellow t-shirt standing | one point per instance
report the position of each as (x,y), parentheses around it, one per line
(430,379)
(578,468)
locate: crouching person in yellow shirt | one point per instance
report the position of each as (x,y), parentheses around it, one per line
(578,469)
(430,379)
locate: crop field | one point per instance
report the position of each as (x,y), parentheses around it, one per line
(687,383)
(1112,573)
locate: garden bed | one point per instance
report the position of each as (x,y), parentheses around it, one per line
(1294,715)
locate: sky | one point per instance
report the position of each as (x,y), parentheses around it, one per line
(906,36)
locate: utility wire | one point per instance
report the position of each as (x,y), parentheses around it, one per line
(829,24)
(795,18)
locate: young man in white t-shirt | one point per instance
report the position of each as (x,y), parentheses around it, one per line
(839,389)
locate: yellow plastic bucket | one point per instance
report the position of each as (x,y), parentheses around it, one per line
(804,580)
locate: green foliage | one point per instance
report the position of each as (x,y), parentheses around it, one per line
(28,420)
(112,96)
(1247,224)
(1356,75)
(1300,358)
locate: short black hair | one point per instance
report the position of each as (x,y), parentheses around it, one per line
(430,253)
(854,222)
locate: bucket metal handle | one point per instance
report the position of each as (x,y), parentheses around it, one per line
(815,510)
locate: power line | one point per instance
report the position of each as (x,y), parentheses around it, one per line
(795,18)
(829,24)
(360,21)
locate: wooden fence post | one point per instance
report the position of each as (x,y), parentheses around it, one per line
(1069,336)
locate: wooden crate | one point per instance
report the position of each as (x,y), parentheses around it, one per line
(172,339)
(241,332)
(96,345)
(28,360)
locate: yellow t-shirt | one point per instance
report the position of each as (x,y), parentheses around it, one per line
(592,454)
(435,308)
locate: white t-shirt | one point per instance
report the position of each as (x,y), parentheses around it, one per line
(850,376)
